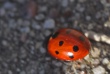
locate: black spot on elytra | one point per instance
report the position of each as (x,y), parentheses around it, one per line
(75,48)
(61,43)
(71,56)
(55,35)
(68,31)
(56,52)
(82,38)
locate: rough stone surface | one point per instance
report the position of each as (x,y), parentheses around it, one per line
(25,26)
(99,70)
(49,24)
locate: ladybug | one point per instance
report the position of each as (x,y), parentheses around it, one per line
(68,44)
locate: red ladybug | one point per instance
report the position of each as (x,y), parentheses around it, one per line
(68,44)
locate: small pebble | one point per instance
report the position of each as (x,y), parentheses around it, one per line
(98,70)
(80,8)
(103,1)
(90,26)
(42,50)
(56,71)
(25,29)
(12,24)
(23,37)
(10,72)
(67,13)
(20,1)
(107,24)
(19,21)
(22,72)
(32,33)
(58,64)
(81,1)
(72,0)
(105,61)
(64,3)
(40,17)
(106,3)
(95,61)
(49,24)
(42,72)
(2,12)
(54,13)
(88,18)
(105,38)
(26,22)
(47,58)
(92,35)
(23,53)
(108,66)
(38,44)
(98,15)
(43,8)
(87,58)
(36,26)
(4,42)
(83,66)
(62,20)
(8,5)
(18,69)
(95,52)
(82,72)
(47,33)
(65,68)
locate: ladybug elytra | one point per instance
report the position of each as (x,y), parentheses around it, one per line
(68,44)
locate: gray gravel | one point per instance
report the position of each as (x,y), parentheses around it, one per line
(25,26)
